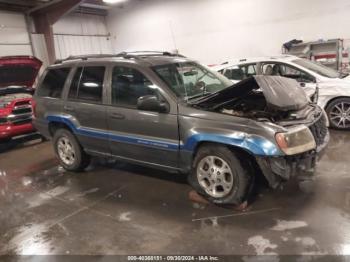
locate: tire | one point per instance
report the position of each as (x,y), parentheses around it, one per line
(221,156)
(338,112)
(69,152)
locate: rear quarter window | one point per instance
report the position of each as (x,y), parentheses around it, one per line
(53,83)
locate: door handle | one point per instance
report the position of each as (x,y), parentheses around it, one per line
(69,108)
(117,116)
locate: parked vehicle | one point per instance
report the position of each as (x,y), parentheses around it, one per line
(333,87)
(17,75)
(169,112)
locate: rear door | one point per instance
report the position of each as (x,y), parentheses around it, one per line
(48,96)
(84,107)
(146,136)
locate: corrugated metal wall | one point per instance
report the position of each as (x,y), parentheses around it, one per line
(14,38)
(78,34)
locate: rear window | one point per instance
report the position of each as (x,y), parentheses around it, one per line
(53,83)
(87,84)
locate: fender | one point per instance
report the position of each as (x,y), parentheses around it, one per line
(254,144)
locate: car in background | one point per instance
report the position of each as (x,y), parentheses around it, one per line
(17,76)
(333,88)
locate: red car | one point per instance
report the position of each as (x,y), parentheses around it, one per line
(17,76)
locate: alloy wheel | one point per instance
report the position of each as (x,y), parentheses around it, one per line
(340,115)
(66,150)
(215,176)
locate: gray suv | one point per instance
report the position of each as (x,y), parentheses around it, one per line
(169,112)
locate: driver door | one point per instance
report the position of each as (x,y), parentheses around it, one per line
(143,136)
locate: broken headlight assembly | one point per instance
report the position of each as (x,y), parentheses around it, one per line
(296,140)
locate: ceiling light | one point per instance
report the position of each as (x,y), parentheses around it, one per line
(113,1)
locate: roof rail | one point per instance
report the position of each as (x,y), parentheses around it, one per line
(126,55)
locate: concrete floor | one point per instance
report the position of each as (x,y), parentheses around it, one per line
(124,209)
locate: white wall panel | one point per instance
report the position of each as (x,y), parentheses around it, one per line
(14,39)
(78,34)
(67,45)
(81,24)
(215,30)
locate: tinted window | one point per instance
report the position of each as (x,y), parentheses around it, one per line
(128,85)
(87,84)
(53,83)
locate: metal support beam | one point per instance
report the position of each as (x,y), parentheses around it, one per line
(46,16)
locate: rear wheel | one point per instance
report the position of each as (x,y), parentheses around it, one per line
(69,152)
(219,175)
(338,112)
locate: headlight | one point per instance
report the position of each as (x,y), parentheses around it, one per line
(296,140)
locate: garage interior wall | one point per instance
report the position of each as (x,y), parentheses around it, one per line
(78,34)
(214,30)
(14,38)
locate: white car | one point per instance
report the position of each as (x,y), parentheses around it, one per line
(334,88)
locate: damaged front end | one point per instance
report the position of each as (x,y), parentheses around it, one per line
(301,126)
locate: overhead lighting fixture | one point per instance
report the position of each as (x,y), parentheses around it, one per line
(113,1)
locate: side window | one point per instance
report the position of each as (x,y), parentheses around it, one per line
(240,72)
(128,85)
(292,72)
(279,69)
(53,83)
(251,70)
(87,84)
(234,73)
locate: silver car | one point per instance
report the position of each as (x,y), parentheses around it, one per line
(333,87)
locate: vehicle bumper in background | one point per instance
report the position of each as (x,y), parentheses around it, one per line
(281,168)
(10,130)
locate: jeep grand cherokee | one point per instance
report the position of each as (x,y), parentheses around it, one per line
(169,112)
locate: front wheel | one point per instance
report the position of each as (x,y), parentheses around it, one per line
(69,152)
(338,112)
(219,175)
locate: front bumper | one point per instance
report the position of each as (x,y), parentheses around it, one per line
(281,168)
(11,130)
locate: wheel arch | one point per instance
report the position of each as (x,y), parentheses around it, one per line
(333,99)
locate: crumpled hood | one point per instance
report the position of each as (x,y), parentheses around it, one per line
(281,93)
(18,70)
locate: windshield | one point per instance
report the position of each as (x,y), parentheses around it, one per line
(317,68)
(189,79)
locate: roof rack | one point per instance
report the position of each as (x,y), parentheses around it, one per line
(126,55)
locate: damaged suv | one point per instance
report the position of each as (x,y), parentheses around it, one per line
(169,112)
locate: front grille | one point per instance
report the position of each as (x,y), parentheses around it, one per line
(23,103)
(319,130)
(22,113)
(22,122)
(21,110)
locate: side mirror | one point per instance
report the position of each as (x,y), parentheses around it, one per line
(151,103)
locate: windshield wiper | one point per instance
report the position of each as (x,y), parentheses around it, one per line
(198,95)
